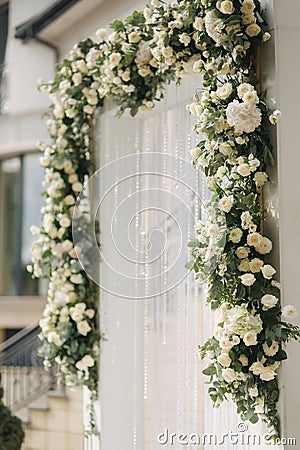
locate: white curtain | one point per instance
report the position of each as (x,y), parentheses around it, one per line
(153,314)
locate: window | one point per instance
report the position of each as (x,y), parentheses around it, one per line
(3,40)
(21,201)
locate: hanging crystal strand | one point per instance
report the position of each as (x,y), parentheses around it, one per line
(137,187)
(179,299)
(191,318)
(146,285)
(163,306)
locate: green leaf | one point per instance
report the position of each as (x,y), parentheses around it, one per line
(254,418)
(210,370)
(280,355)
(117,25)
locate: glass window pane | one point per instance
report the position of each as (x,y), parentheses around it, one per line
(20,202)
(10,219)
(31,205)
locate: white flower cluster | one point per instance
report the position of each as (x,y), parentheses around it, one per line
(236,323)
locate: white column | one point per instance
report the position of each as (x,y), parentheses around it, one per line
(287,38)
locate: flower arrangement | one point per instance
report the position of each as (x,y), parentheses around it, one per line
(216,39)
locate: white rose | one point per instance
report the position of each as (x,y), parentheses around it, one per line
(247,19)
(268,271)
(67,245)
(225,148)
(243,89)
(184,39)
(224,91)
(225,343)
(77,78)
(229,375)
(88,109)
(248,279)
(257,368)
(248,6)
(242,252)
(264,245)
(243,117)
(44,161)
(76,278)
(90,313)
(255,265)
(226,203)
(267,374)
(268,301)
(253,239)
(134,38)
(243,170)
(83,327)
(235,235)
(69,200)
(224,359)
(251,97)
(244,265)
(235,340)
(198,24)
(81,366)
(272,350)
(54,338)
(88,361)
(253,30)
(76,315)
(65,222)
(289,312)
(80,307)
(250,338)
(68,167)
(77,186)
(226,7)
(260,178)
(114,59)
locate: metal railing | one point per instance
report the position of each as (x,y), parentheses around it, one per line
(23,376)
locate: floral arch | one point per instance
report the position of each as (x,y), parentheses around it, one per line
(165,42)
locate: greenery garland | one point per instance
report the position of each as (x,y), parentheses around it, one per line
(165,42)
